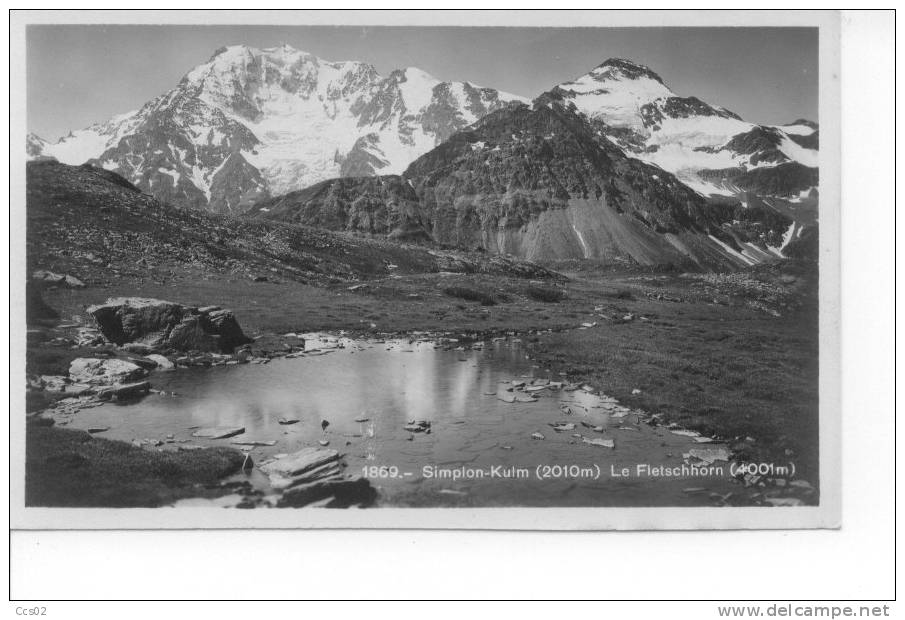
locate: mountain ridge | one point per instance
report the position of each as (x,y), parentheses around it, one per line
(282,118)
(684,135)
(540,182)
(269,131)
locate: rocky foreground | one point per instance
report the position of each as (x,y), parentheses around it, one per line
(134,337)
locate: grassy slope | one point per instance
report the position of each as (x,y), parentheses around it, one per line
(71,468)
(724,371)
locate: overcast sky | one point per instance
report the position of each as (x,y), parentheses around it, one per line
(78,75)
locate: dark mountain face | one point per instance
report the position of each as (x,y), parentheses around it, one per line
(652,115)
(384,205)
(518,163)
(623,68)
(782,180)
(761,143)
(540,182)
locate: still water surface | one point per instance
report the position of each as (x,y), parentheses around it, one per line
(394,382)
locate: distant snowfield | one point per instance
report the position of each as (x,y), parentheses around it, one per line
(84,144)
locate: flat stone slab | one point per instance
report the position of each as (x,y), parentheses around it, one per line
(124,390)
(601,443)
(219,432)
(300,462)
(161,361)
(254,442)
(685,433)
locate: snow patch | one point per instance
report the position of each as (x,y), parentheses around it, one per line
(796,130)
(731,251)
(788,235)
(172,173)
(796,152)
(586,250)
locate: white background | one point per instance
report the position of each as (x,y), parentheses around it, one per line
(856,562)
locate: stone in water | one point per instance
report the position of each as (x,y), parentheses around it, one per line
(219,432)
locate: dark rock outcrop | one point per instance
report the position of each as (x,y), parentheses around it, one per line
(539,182)
(167,325)
(384,205)
(785,179)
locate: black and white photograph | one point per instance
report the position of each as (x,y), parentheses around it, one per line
(417,276)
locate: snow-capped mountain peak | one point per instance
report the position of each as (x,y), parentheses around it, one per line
(707,147)
(623,70)
(615,91)
(251,122)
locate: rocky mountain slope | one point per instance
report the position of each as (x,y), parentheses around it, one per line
(540,182)
(252,123)
(709,148)
(381,205)
(96,226)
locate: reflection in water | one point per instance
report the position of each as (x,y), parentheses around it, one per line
(394,382)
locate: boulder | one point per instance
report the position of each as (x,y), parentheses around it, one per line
(162,362)
(159,324)
(224,324)
(122,391)
(53,383)
(94,371)
(306,465)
